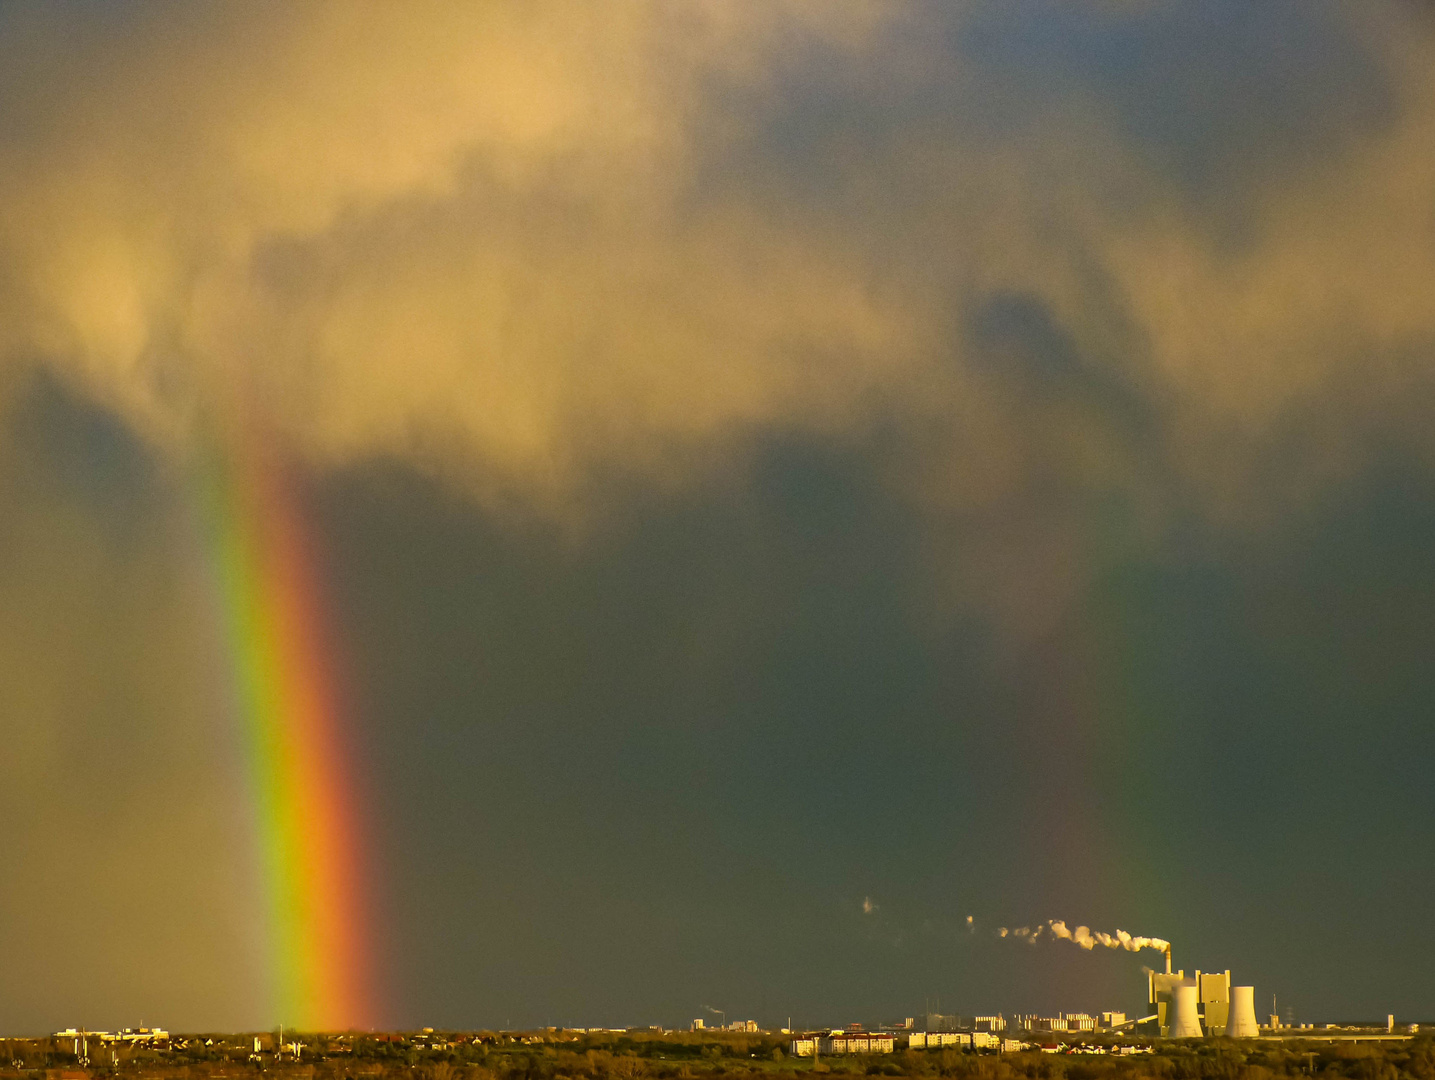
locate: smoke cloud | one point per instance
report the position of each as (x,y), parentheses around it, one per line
(1085,937)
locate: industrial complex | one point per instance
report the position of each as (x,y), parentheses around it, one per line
(1203,1005)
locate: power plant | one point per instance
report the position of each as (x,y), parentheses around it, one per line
(1206,1004)
(1185,1008)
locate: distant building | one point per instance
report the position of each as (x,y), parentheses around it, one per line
(144,1036)
(939,1022)
(989,1023)
(1112,1019)
(857,1043)
(931,1040)
(804,1047)
(698,1024)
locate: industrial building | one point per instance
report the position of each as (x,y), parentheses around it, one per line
(1206,1004)
(149,1037)
(736,1025)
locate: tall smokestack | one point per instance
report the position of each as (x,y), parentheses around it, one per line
(1168,959)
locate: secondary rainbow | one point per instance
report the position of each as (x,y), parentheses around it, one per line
(283,678)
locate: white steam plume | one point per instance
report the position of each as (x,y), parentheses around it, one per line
(1084,936)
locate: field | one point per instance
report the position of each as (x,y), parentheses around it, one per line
(564,1055)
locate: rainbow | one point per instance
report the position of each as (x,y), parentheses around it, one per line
(282,674)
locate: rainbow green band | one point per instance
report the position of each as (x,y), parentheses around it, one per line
(283,679)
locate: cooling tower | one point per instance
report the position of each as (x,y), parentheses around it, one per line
(1241,1020)
(1185,1023)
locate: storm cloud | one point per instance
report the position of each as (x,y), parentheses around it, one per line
(515,245)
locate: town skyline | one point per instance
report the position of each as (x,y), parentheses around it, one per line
(522,513)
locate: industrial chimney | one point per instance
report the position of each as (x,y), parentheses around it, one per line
(1184,1021)
(1241,1020)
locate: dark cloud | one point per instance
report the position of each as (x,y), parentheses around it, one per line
(1217,97)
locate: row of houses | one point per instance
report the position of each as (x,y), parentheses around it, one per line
(962,1040)
(844,1042)
(881,1042)
(1069,1022)
(935,1022)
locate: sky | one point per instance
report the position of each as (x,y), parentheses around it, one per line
(790,489)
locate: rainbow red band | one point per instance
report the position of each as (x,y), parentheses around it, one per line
(297,756)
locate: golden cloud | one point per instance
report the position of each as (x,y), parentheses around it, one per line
(486,238)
